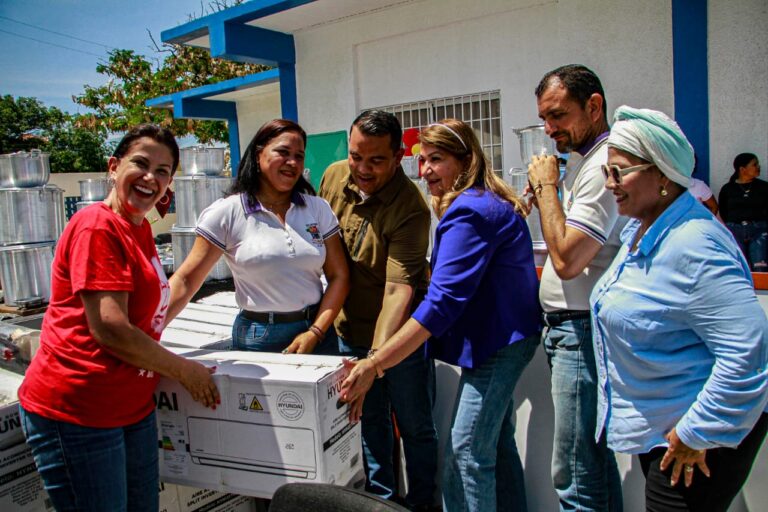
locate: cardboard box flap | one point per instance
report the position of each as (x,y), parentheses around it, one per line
(264,365)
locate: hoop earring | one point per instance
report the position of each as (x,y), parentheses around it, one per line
(164,200)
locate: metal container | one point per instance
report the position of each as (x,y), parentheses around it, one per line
(195,193)
(410,165)
(182,239)
(95,189)
(30,215)
(165,253)
(82,204)
(517,178)
(24,169)
(25,273)
(202,160)
(534,142)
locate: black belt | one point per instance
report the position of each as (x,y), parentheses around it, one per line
(278,317)
(556,318)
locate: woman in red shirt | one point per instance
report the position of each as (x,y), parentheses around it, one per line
(86,400)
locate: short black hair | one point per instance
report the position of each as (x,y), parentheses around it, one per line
(157,133)
(378,123)
(580,82)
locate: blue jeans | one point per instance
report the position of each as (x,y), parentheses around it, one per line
(409,390)
(482,470)
(95,469)
(584,473)
(752,238)
(255,336)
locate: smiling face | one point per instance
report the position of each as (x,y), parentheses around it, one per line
(371,160)
(281,163)
(439,169)
(638,196)
(141,178)
(566,121)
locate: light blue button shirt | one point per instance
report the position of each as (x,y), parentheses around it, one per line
(680,338)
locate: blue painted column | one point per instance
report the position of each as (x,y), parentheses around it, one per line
(689,60)
(234,143)
(288,97)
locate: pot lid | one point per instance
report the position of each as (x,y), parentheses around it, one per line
(533,127)
(24,247)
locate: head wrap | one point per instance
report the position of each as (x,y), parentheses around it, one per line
(655,137)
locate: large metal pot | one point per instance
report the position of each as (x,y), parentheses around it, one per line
(534,142)
(410,165)
(202,160)
(82,204)
(25,272)
(517,178)
(195,193)
(95,189)
(182,239)
(30,215)
(24,169)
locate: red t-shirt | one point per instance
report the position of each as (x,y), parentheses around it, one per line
(72,377)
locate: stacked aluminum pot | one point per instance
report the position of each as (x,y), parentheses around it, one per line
(31,220)
(199,186)
(92,191)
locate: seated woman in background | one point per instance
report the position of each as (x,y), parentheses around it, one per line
(278,238)
(744,209)
(680,338)
(86,400)
(481,312)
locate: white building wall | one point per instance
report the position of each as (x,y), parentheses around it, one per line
(738,85)
(262,106)
(436,48)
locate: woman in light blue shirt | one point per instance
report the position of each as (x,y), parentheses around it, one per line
(680,338)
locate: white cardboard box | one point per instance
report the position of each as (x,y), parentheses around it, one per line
(180,498)
(279,421)
(21,488)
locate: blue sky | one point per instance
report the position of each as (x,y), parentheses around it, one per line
(53,74)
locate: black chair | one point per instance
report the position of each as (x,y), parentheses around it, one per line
(300,497)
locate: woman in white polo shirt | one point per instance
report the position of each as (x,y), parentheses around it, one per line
(277,238)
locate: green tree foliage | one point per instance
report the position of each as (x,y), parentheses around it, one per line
(133,79)
(26,123)
(77,150)
(19,116)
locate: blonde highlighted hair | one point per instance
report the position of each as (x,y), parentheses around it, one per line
(458,139)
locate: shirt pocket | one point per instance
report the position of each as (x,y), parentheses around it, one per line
(358,246)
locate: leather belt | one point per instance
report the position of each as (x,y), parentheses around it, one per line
(277,317)
(556,318)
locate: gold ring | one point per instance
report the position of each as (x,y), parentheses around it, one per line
(688,468)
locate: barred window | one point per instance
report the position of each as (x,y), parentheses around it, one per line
(481,111)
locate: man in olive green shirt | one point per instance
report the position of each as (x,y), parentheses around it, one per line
(384,223)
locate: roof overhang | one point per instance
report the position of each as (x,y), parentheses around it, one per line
(216,101)
(260,26)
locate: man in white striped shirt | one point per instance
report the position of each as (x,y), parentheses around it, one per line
(579,223)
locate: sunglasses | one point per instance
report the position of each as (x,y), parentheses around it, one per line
(617,173)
